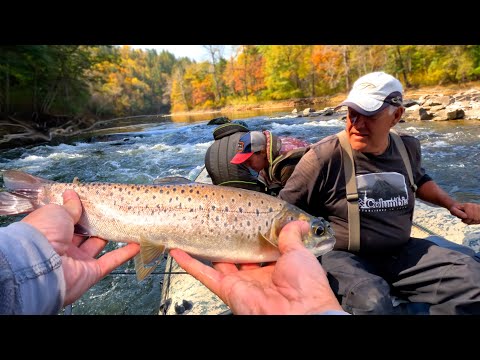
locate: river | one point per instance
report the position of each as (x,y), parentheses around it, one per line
(137,152)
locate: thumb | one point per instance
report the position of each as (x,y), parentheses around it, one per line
(290,237)
(71,202)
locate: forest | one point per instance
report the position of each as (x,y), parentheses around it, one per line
(105,81)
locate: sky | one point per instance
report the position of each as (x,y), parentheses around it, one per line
(196,52)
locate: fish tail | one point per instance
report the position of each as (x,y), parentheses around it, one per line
(22,195)
(13,204)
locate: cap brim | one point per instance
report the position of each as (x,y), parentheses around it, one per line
(240,158)
(361,110)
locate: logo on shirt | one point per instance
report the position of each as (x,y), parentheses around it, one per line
(382,192)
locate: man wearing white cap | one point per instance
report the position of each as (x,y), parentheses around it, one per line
(374,256)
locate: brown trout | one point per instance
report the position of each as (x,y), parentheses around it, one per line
(215,223)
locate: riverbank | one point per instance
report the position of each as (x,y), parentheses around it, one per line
(333,100)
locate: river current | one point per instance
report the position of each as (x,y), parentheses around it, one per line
(139,151)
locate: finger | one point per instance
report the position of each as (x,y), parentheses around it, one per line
(113,259)
(93,246)
(458,212)
(225,268)
(71,202)
(244,267)
(205,274)
(290,237)
(78,240)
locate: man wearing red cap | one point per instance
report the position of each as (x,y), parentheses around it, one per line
(272,157)
(374,255)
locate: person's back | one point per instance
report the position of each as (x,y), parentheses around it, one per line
(219,154)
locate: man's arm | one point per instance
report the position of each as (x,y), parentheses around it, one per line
(31,277)
(434,194)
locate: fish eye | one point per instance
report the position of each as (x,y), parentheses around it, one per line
(318,228)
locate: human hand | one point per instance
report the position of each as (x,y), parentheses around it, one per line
(295,284)
(468,212)
(80,267)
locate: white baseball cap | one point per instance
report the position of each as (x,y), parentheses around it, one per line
(374,92)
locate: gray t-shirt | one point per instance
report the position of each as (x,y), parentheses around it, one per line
(386,200)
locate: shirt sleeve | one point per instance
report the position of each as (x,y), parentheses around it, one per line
(31,275)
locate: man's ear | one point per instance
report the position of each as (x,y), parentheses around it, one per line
(398,115)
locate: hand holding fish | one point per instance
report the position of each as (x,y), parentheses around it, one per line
(295,284)
(80,266)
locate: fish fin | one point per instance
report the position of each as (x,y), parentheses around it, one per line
(172,180)
(273,235)
(22,183)
(143,270)
(150,251)
(267,240)
(81,230)
(14,204)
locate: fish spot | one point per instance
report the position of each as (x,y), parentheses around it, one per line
(96,192)
(248,223)
(216,218)
(202,221)
(153,212)
(225,224)
(198,192)
(249,203)
(240,210)
(183,190)
(257,212)
(174,189)
(154,197)
(206,196)
(170,200)
(191,210)
(213,194)
(221,196)
(235,219)
(176,198)
(129,192)
(259,228)
(138,198)
(270,209)
(233,200)
(161,191)
(266,223)
(239,195)
(191,190)
(184,218)
(103,188)
(138,188)
(189,199)
(261,201)
(120,189)
(213,207)
(158,206)
(146,191)
(226,208)
(129,208)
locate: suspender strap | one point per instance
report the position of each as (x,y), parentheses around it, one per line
(403,152)
(351,185)
(352,193)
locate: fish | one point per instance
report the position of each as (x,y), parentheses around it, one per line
(211,222)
